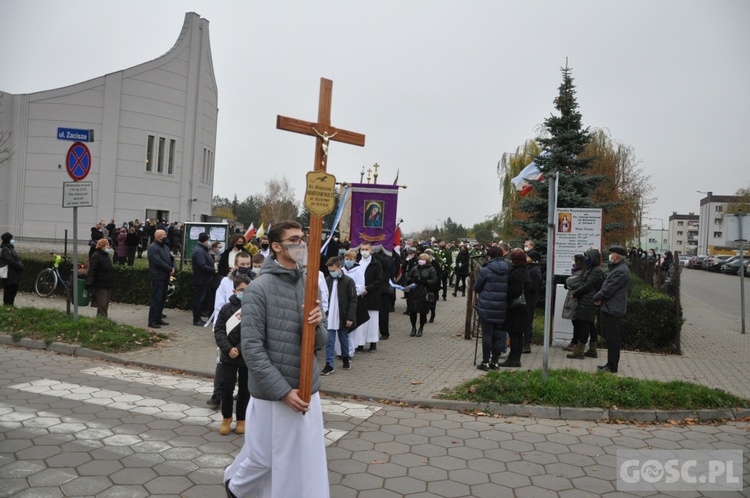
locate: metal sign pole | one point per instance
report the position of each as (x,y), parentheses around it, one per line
(75,265)
(552,204)
(740,217)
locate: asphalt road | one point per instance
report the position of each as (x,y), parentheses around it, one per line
(721,292)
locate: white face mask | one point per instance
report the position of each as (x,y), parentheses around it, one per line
(365,254)
(298,253)
(611,259)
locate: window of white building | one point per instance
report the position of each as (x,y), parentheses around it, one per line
(150,153)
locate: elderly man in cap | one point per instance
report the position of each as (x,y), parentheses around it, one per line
(613,299)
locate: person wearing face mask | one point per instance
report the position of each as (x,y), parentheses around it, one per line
(203,274)
(585,312)
(341,314)
(356,336)
(373,278)
(226,261)
(463,261)
(265,249)
(224,292)
(160,268)
(100,276)
(10,259)
(279,443)
(231,365)
(613,300)
(425,276)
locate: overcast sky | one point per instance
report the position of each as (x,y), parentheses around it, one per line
(440,89)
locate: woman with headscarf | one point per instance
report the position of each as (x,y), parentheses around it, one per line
(9,258)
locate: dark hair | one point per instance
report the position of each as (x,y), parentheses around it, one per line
(235,238)
(494,252)
(518,257)
(504,246)
(580,261)
(240,279)
(334,261)
(276,233)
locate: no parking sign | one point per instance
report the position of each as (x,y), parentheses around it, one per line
(78,161)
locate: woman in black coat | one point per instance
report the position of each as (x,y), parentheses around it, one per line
(516,318)
(424,276)
(462,270)
(9,257)
(131,245)
(100,276)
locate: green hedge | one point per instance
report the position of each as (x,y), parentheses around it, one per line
(132,285)
(653,320)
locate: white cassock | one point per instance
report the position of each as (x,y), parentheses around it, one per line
(284,453)
(356,336)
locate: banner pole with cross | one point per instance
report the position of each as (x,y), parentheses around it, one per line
(319,201)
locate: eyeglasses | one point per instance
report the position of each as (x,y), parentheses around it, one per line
(295,240)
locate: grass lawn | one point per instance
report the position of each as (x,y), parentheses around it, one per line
(573,388)
(100,334)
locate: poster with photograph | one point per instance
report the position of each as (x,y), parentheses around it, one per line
(578,230)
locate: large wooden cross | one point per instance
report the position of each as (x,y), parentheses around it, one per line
(324,132)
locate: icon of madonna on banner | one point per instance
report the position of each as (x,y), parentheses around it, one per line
(373,214)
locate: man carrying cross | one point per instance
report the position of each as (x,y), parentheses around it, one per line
(284,453)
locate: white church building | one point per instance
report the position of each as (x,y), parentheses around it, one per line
(154,130)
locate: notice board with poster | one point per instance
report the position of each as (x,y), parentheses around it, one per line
(192,229)
(576,231)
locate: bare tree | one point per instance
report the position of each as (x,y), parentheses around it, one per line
(279,203)
(6,146)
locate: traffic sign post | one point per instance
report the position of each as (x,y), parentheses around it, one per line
(77,194)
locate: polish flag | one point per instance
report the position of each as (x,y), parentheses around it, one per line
(250,232)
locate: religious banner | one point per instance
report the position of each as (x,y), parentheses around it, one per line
(373,215)
(577,230)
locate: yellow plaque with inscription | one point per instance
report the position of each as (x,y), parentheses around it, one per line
(319,195)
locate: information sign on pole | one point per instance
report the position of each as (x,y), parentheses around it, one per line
(576,231)
(78,194)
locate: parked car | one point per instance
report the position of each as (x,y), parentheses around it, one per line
(733,267)
(684,260)
(695,262)
(713,263)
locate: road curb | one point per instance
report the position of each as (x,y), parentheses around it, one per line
(533,411)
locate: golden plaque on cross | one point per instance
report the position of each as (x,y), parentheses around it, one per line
(319,194)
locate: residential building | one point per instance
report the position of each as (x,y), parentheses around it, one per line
(683,233)
(711,236)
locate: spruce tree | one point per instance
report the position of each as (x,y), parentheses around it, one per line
(562,147)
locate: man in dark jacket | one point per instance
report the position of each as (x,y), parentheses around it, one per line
(386,263)
(373,279)
(203,275)
(492,287)
(160,268)
(613,299)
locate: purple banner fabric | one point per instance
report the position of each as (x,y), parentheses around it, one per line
(374,214)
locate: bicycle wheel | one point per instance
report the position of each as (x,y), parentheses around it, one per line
(46,282)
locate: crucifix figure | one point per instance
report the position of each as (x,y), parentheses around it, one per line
(375,166)
(323,133)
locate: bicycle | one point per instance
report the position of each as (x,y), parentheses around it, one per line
(47,279)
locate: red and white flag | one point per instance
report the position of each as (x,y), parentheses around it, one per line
(250,232)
